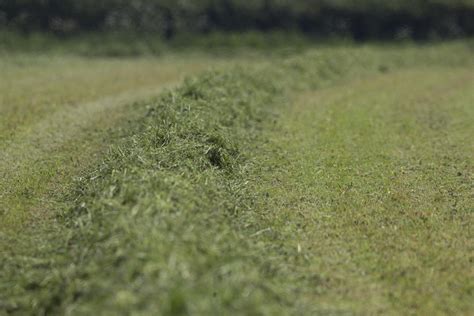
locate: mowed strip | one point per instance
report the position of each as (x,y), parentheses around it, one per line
(45,143)
(32,87)
(368,194)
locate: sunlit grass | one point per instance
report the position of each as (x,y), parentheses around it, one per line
(335,181)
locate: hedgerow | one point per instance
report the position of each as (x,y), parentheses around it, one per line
(363,19)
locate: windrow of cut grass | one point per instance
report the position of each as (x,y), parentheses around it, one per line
(59,112)
(166,223)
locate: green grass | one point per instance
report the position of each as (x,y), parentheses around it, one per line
(122,44)
(336,182)
(56,111)
(370,188)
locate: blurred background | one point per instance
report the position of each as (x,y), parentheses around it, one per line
(152,24)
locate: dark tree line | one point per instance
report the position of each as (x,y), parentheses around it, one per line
(360,19)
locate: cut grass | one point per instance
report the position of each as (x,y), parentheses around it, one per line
(34,86)
(369,185)
(320,185)
(56,112)
(110,44)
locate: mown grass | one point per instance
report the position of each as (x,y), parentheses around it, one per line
(123,44)
(53,108)
(35,85)
(205,208)
(371,189)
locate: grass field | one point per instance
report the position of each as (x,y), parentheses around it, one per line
(338,181)
(58,111)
